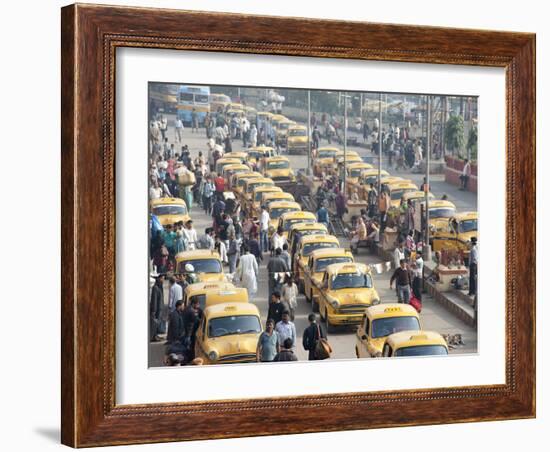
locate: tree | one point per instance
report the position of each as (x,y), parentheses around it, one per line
(454,133)
(472,143)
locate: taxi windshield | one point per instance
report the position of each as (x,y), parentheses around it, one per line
(255,184)
(326,154)
(442,212)
(170,209)
(201,265)
(419,350)
(200,298)
(389,325)
(351,281)
(259,194)
(321,264)
(297,133)
(278,211)
(289,223)
(310,247)
(237,324)
(280,164)
(397,194)
(284,126)
(468,225)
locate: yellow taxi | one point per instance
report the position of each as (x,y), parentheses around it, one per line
(249,186)
(230,170)
(371,176)
(415,196)
(398,189)
(286,220)
(197,291)
(415,343)
(238,180)
(236,106)
(207,264)
(228,333)
(297,141)
(299,230)
(324,158)
(379,322)
(279,170)
(241,155)
(170,210)
(263,116)
(457,233)
(257,197)
(259,152)
(276,119)
(354,170)
(282,131)
(223,161)
(351,157)
(269,197)
(307,245)
(440,211)
(317,263)
(347,290)
(278,208)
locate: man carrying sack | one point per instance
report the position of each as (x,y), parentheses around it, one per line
(315,340)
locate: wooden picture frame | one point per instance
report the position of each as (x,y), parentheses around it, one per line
(90,37)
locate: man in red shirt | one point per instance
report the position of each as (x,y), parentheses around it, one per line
(219,183)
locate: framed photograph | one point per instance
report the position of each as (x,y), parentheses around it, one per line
(281,225)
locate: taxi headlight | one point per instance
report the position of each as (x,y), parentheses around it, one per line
(213,355)
(334,303)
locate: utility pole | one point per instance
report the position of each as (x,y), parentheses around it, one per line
(308,131)
(427,249)
(345,140)
(379,143)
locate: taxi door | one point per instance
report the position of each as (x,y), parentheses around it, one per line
(446,239)
(307,279)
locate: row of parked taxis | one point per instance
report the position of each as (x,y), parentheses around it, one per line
(449,229)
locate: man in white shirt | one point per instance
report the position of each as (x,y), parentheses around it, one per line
(179,130)
(398,254)
(175,294)
(473,259)
(264,227)
(466,172)
(190,236)
(286,329)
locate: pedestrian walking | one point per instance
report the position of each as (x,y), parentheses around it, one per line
(275,267)
(190,235)
(175,294)
(276,307)
(286,329)
(311,336)
(232,252)
(192,316)
(268,343)
(156,306)
(247,272)
(179,130)
(264,227)
(176,327)
(465,176)
(402,277)
(289,294)
(473,260)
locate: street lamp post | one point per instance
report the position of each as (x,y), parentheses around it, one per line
(345,139)
(427,248)
(308,131)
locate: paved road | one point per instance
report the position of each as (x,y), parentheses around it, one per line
(433,316)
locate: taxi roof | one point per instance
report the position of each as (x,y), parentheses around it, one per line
(306,226)
(390,179)
(391,310)
(374,171)
(268,189)
(298,126)
(261,148)
(279,117)
(329,148)
(466,216)
(331,252)
(315,238)
(167,201)
(354,165)
(435,203)
(416,194)
(287,121)
(249,174)
(228,160)
(259,180)
(237,154)
(299,214)
(412,338)
(279,204)
(199,287)
(347,267)
(265,113)
(402,184)
(236,166)
(277,158)
(229,309)
(197,254)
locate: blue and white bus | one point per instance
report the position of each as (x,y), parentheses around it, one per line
(193,97)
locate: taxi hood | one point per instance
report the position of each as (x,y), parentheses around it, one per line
(234,344)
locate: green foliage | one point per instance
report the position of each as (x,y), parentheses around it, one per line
(472,143)
(454,134)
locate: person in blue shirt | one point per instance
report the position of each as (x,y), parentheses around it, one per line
(322,215)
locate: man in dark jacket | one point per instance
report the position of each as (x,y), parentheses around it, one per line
(155,308)
(311,336)
(277,307)
(286,354)
(192,316)
(175,323)
(275,265)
